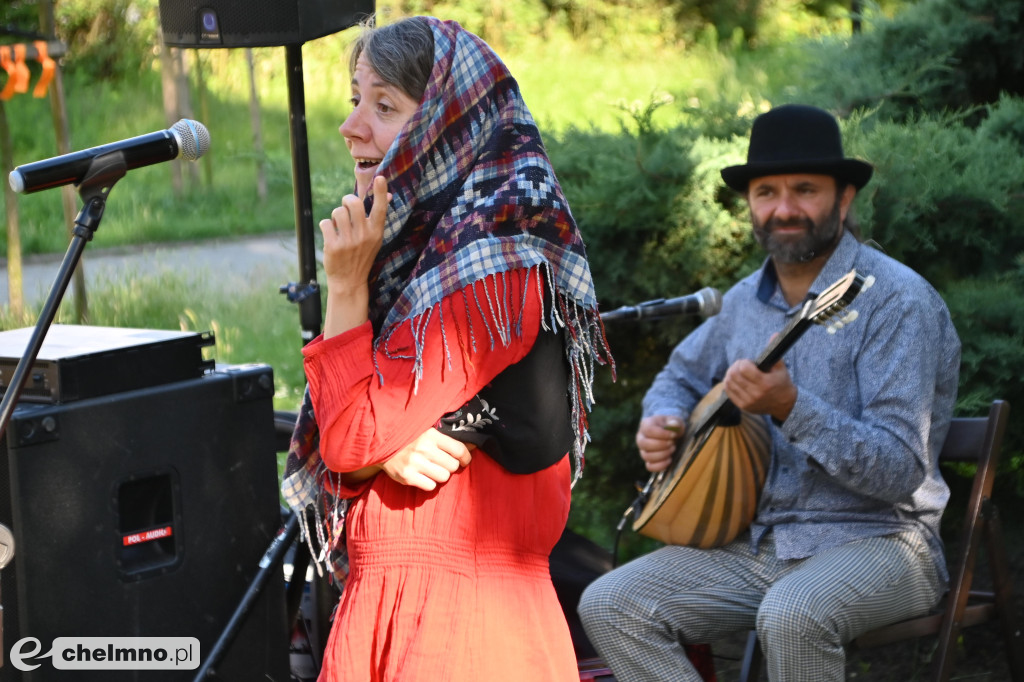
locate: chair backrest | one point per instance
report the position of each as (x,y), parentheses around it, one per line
(973,439)
(978,440)
(981,440)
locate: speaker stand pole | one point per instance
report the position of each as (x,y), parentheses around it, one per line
(104,171)
(306,295)
(307,292)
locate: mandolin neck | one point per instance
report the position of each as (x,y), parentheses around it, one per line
(782,342)
(721,409)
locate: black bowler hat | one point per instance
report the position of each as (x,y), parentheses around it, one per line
(794,138)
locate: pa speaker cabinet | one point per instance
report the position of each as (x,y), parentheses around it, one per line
(145,514)
(256,23)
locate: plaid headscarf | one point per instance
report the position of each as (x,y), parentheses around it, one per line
(473,195)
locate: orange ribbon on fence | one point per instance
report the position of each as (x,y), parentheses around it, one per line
(12,60)
(8,65)
(49,67)
(21,69)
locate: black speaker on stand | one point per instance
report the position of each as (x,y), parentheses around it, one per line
(205,24)
(144,513)
(256,23)
(269,23)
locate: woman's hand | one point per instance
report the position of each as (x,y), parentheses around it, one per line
(352,240)
(428,461)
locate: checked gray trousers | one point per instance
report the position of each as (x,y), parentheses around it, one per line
(639,615)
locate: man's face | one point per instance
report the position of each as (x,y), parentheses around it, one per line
(797,217)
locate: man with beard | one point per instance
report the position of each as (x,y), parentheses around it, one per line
(846,532)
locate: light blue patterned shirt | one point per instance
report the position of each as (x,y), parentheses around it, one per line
(857,456)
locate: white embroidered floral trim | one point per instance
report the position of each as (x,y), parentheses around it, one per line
(475,422)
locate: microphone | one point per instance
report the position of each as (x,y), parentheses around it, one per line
(188,139)
(706,302)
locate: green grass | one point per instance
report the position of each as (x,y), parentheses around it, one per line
(259,326)
(565,84)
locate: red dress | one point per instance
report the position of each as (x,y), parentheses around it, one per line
(452,584)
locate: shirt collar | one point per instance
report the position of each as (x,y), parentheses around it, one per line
(838,264)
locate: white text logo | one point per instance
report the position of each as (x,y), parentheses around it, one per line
(109,653)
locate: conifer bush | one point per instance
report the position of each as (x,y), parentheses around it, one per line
(934,56)
(947,199)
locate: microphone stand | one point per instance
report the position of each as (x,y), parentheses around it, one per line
(104,171)
(269,565)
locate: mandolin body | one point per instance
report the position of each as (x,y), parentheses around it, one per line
(709,494)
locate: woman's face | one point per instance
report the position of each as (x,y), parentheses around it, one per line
(379,110)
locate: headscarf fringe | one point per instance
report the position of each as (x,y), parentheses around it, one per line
(585,345)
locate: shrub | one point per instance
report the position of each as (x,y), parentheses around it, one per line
(937,55)
(946,199)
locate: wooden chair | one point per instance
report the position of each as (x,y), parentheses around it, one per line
(594,670)
(976,439)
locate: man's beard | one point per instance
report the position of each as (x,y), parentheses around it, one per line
(819,237)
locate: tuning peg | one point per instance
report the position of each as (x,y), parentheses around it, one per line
(846,319)
(869,281)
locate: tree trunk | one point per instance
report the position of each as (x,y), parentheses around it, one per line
(184,104)
(170,91)
(62,133)
(15,294)
(204,110)
(257,128)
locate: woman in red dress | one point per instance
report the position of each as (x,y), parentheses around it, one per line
(446,407)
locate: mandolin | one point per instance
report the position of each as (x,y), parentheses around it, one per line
(708,495)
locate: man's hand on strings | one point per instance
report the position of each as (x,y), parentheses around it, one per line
(657,438)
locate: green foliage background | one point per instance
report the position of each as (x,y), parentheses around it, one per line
(641,103)
(945,199)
